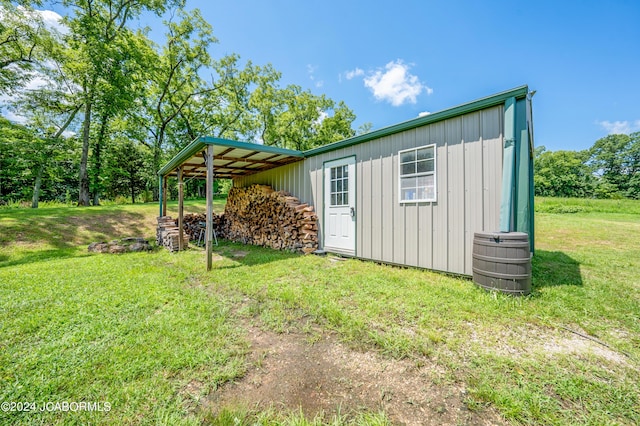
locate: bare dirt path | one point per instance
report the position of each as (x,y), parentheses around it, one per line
(322,377)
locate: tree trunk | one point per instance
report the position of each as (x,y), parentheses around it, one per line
(36,187)
(83,194)
(96,155)
(157,152)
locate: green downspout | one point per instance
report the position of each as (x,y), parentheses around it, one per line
(523,205)
(516,205)
(508,166)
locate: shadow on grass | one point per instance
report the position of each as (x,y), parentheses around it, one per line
(554,268)
(67,231)
(38,256)
(246,254)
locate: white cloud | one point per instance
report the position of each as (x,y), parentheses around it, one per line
(393,83)
(322,115)
(311,69)
(423,113)
(12,116)
(353,73)
(619,127)
(53,21)
(50,19)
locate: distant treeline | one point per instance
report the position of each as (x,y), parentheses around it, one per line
(609,169)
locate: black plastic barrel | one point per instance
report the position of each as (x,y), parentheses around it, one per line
(502,262)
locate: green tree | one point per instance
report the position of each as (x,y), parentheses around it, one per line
(24,43)
(125,169)
(562,173)
(96,26)
(227,111)
(29,162)
(124,77)
(632,163)
(609,160)
(49,111)
(14,140)
(173,81)
(296,119)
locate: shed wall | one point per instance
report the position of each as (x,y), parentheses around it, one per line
(436,235)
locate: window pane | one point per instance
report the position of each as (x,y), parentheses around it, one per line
(345,171)
(345,198)
(407,157)
(333,186)
(425,166)
(333,173)
(425,180)
(408,182)
(425,153)
(408,169)
(338,172)
(333,199)
(339,185)
(409,194)
(426,192)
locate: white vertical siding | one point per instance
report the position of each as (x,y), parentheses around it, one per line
(455,194)
(436,235)
(440,224)
(473,181)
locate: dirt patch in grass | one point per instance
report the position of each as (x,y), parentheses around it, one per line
(323,377)
(520,343)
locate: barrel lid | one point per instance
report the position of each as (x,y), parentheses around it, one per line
(503,235)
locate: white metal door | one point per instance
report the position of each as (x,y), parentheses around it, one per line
(340,205)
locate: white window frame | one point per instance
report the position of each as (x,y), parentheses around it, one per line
(343,190)
(416,175)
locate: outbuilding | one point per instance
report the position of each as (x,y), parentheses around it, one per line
(410,194)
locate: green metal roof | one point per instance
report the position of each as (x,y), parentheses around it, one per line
(489,101)
(231,158)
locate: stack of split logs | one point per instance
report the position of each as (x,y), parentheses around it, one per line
(261,216)
(193,223)
(168,234)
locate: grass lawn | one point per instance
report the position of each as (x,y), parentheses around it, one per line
(136,331)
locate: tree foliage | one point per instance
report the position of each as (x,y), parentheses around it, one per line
(125,169)
(24,42)
(116,105)
(616,160)
(562,174)
(28,162)
(609,169)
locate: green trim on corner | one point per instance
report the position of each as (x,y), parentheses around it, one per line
(489,101)
(509,159)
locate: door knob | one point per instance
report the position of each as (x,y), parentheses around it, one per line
(352,212)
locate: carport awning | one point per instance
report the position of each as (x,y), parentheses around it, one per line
(231,159)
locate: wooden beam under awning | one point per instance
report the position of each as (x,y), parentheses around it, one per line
(209,219)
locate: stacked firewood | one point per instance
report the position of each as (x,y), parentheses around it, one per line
(194,222)
(168,234)
(261,216)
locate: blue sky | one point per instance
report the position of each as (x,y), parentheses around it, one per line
(390,61)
